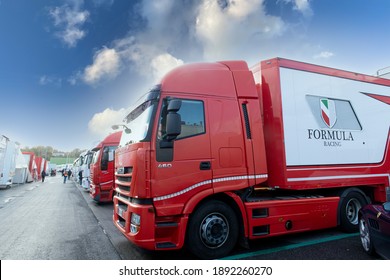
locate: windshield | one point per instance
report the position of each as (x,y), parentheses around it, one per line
(89,158)
(138,121)
(96,157)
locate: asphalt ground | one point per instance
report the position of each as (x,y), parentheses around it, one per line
(50,221)
(53,220)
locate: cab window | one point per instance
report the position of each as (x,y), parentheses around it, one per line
(192,119)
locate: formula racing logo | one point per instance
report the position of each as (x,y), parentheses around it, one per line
(335,118)
(328,111)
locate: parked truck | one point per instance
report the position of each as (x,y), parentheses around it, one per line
(29,157)
(220,154)
(8,154)
(102,168)
(40,163)
(84,167)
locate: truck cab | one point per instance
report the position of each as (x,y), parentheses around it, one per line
(85,161)
(102,168)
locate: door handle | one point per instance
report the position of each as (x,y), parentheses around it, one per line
(205,165)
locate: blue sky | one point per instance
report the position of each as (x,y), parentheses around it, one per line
(69,69)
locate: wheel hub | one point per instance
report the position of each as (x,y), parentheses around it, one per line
(352,210)
(214,230)
(364,235)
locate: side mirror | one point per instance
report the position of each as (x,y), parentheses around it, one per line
(174,105)
(173,128)
(173,124)
(126,129)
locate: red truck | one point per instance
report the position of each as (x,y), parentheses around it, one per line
(102,168)
(219,154)
(32,167)
(40,163)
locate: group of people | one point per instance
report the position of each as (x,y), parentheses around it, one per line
(66,174)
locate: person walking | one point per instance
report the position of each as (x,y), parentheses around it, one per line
(65,174)
(43,175)
(80,177)
(69,174)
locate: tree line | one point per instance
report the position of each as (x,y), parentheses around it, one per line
(47,152)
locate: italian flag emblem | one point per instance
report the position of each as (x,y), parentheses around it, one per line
(328,111)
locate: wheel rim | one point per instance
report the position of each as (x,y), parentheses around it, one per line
(364,235)
(214,230)
(352,209)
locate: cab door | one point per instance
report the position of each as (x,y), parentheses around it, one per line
(107,168)
(181,167)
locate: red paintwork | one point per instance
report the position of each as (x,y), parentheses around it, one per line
(38,162)
(384,99)
(102,181)
(170,195)
(31,161)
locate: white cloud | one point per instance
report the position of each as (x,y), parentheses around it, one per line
(73,80)
(69,20)
(239,26)
(147,59)
(106,64)
(50,80)
(101,123)
(163,63)
(175,32)
(140,54)
(303,6)
(324,55)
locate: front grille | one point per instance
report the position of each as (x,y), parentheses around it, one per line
(91,175)
(124,188)
(123,180)
(121,222)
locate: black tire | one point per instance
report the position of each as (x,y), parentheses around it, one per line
(365,237)
(212,230)
(349,210)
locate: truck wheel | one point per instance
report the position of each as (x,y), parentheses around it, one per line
(212,230)
(349,210)
(365,237)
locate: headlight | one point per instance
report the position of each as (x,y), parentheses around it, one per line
(135,222)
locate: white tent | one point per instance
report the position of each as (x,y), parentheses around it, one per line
(7,161)
(21,169)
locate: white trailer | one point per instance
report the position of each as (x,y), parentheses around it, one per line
(86,159)
(21,168)
(7,161)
